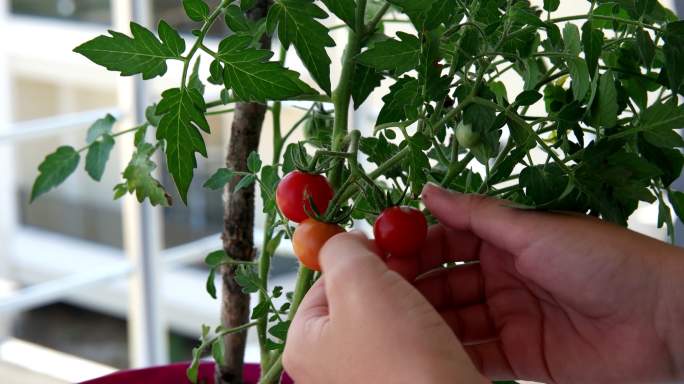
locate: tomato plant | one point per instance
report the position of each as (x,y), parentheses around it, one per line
(400,231)
(497,97)
(298,190)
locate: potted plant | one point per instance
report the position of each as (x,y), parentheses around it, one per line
(604,86)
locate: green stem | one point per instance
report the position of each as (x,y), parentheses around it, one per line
(200,38)
(342,95)
(113,136)
(370,28)
(456,168)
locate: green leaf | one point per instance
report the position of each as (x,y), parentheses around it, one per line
(646,47)
(214,259)
(364,81)
(677,200)
(269,181)
(197,10)
(393,55)
(246,181)
(551,5)
(192,372)
(219,179)
(254,162)
(280,330)
(211,283)
(236,20)
(403,96)
(606,111)
(674,53)
(143,53)
(298,25)
(670,161)
(182,118)
(662,116)
(528,98)
(252,77)
(247,4)
(427,14)
(218,351)
(98,155)
(344,9)
(100,127)
(260,310)
(581,80)
(138,178)
(543,184)
(571,37)
(140,134)
(56,168)
(592,41)
(151,115)
(194,81)
(247,277)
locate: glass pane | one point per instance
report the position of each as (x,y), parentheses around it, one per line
(93,11)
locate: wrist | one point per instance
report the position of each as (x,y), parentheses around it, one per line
(670,310)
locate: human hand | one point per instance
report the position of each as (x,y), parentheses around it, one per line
(362,323)
(555,298)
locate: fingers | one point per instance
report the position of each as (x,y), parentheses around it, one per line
(471,324)
(456,287)
(490,359)
(489,219)
(445,245)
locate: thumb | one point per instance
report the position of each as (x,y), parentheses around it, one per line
(351,266)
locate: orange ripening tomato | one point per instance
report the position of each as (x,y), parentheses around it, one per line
(309,238)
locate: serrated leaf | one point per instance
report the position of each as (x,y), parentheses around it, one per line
(280,330)
(182,113)
(236,20)
(100,127)
(143,53)
(138,178)
(344,9)
(98,155)
(592,42)
(269,179)
(140,133)
(197,10)
(674,53)
(252,77)
(403,96)
(219,179)
(56,168)
(393,55)
(662,116)
(298,25)
(277,291)
(364,81)
(245,182)
(214,259)
(646,47)
(260,310)
(254,162)
(247,277)
(607,106)
(581,80)
(211,283)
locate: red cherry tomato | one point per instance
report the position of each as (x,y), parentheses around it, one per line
(295,190)
(400,231)
(309,238)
